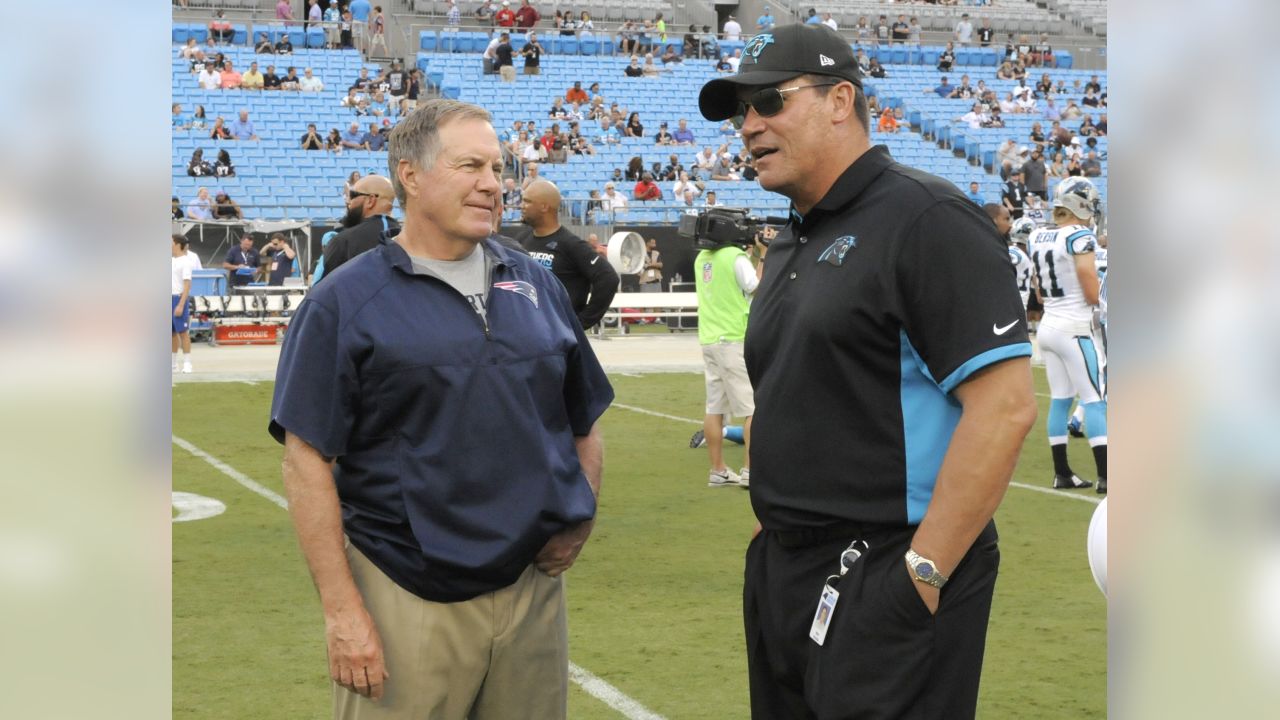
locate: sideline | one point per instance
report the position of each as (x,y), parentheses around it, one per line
(593,685)
(1024,486)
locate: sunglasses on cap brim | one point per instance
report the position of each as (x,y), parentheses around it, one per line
(768,102)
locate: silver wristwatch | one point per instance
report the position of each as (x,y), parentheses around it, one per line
(924,570)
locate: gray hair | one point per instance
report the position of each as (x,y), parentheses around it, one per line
(416,139)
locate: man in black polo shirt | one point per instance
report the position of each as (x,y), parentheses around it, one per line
(889,310)
(367,221)
(587,276)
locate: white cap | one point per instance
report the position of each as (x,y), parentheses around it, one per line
(1075,141)
(1022,149)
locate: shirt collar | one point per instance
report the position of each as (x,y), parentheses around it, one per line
(399,259)
(852,182)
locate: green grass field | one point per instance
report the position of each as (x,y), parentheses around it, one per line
(654,600)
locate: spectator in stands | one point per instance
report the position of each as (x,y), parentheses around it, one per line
(526,16)
(374,140)
(484,14)
(1005,71)
(252,79)
(964,30)
(284,46)
(647,189)
(1091,165)
(722,169)
(975,195)
(453,16)
(1043,54)
(947,58)
(354,140)
(311,140)
(176,209)
(1100,127)
(284,11)
(264,46)
(888,123)
(231,80)
(974,118)
(1051,111)
(209,78)
(732,29)
(191,50)
(197,166)
(1007,157)
(649,68)
(363,83)
(200,122)
(985,35)
(505,17)
(242,128)
(864,62)
(504,61)
(270,80)
(333,141)
(673,169)
(882,30)
(576,94)
(1089,98)
(200,207)
(862,30)
(964,90)
(683,135)
(413,87)
(683,183)
(378,105)
(899,30)
(1087,128)
(744,164)
(224,167)
(612,200)
(691,45)
(532,54)
(627,44)
(332,21)
(703,161)
(608,134)
(378,30)
(220,29)
(1057,169)
(829,21)
(224,208)
(1074,168)
(179,120)
(352,99)
(943,89)
(634,127)
(313,14)
(994,119)
(219,130)
(309,82)
(1072,111)
(876,70)
(290,81)
(633,69)
(586,28)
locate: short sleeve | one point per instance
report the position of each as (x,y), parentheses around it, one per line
(1081,242)
(960,306)
(230,258)
(315,382)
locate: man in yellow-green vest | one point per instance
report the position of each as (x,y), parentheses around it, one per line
(725,280)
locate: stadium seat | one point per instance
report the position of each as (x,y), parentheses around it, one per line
(315,38)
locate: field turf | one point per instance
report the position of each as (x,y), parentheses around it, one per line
(654,600)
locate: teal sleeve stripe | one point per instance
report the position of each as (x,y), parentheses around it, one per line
(978,362)
(1072,238)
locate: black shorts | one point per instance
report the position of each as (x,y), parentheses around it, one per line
(885,655)
(1034,304)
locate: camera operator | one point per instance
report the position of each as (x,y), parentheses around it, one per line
(725,280)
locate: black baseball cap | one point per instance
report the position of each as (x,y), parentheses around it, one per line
(781,54)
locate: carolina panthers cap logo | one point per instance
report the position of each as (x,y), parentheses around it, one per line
(521,288)
(756,45)
(834,255)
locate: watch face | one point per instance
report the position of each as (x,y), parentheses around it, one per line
(924,570)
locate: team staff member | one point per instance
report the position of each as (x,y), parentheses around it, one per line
(181,266)
(725,279)
(241,262)
(588,276)
(887,308)
(438,564)
(367,222)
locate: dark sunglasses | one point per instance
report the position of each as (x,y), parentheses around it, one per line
(768,102)
(352,194)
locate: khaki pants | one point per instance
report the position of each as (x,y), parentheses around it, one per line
(501,655)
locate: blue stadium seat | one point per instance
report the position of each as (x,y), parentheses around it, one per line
(315,37)
(180,34)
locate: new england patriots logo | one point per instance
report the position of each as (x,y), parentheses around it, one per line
(756,45)
(520,287)
(838,249)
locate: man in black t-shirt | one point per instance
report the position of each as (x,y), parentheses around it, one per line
(1015,193)
(532,52)
(986,33)
(900,30)
(503,61)
(589,278)
(270,80)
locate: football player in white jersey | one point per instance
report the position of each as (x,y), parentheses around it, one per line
(1075,425)
(1018,237)
(1062,257)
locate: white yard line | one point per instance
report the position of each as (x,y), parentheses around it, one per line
(1024,486)
(601,690)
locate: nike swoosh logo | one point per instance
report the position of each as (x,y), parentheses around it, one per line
(595,259)
(1002,330)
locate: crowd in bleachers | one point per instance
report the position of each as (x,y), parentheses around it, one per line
(601,131)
